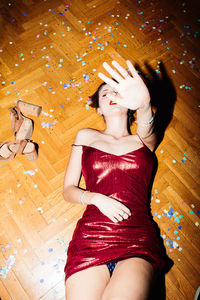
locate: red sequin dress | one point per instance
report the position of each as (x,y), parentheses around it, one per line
(98,240)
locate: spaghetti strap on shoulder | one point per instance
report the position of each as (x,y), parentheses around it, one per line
(140,139)
(76,145)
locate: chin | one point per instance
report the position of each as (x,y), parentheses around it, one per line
(118,109)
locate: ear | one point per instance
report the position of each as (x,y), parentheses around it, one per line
(99,111)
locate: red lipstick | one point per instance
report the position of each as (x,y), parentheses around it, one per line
(112,103)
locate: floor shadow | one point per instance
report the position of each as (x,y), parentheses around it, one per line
(163,98)
(158,291)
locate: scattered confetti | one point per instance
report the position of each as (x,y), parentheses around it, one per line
(9,263)
(97,38)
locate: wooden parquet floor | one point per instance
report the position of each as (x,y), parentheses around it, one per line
(50,54)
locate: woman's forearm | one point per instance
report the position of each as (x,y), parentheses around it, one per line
(74,194)
(145,118)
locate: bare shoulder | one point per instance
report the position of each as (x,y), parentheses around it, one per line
(84,136)
(150,141)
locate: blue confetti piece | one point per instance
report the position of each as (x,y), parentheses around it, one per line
(177,220)
(50,250)
(41,280)
(56,267)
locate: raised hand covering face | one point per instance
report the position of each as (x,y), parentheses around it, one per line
(131,90)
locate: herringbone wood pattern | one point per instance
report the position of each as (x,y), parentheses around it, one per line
(50,54)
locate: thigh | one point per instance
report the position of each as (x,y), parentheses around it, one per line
(132,279)
(88,284)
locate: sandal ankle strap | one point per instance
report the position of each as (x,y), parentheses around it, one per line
(22,145)
(18,118)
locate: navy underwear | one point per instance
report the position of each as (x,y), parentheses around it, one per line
(111,267)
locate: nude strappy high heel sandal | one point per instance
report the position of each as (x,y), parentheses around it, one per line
(25,147)
(28,108)
(21,125)
(5,153)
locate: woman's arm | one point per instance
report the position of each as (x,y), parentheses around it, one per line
(71,191)
(145,121)
(111,208)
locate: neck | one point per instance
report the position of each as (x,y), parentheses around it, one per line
(116,126)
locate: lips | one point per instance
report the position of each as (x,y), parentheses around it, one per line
(112,103)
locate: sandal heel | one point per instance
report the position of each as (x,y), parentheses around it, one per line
(22,126)
(25,131)
(32,155)
(29,108)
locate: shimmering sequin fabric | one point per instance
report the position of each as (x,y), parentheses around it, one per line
(98,240)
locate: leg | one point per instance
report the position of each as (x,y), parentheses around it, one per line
(88,284)
(131,280)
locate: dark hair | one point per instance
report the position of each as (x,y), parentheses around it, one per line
(94,102)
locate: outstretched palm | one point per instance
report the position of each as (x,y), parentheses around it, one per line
(131,90)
